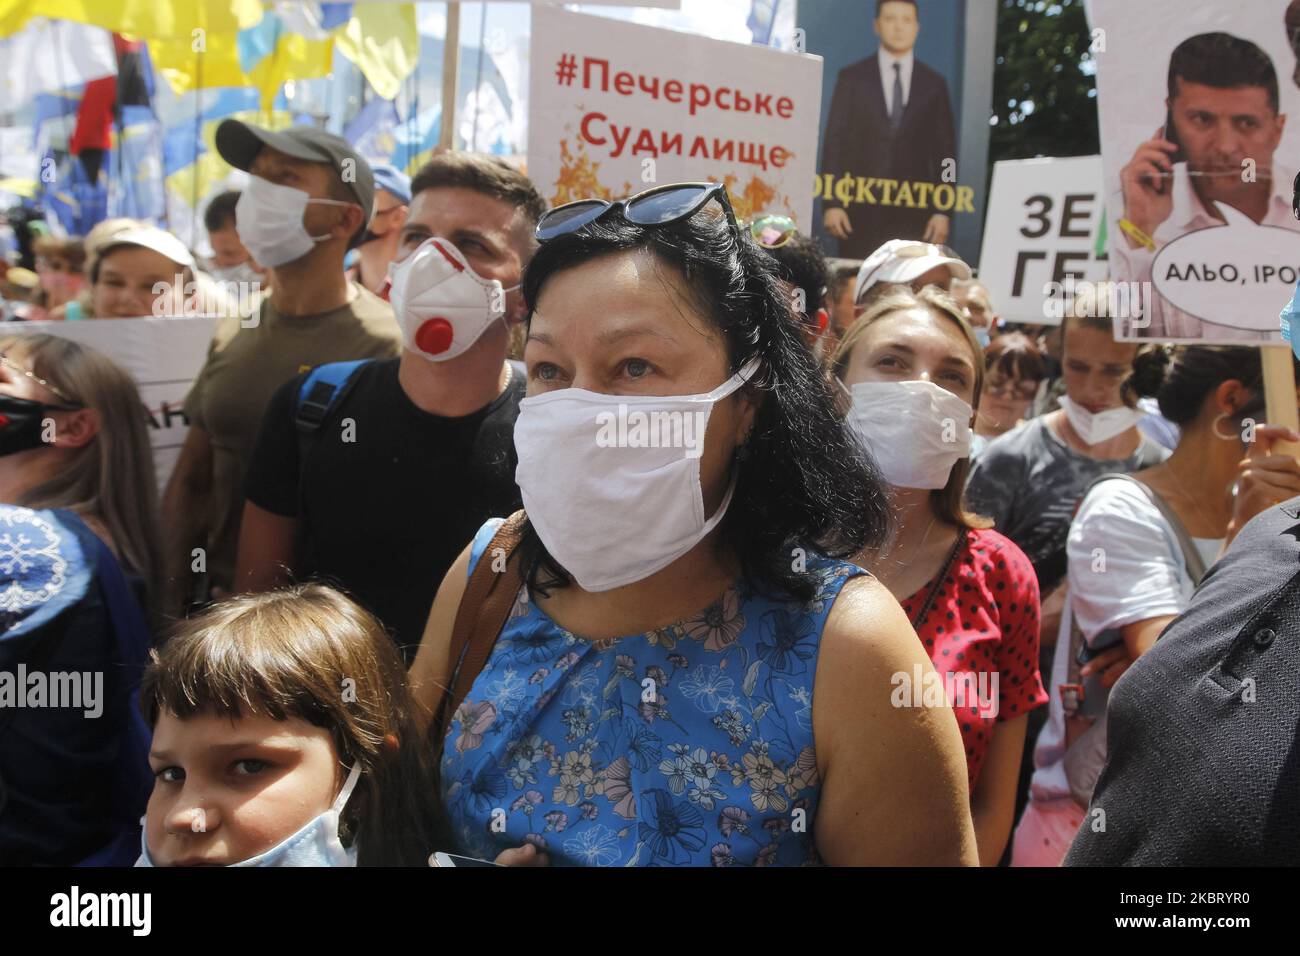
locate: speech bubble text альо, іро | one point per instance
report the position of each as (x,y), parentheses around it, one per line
(1231,275)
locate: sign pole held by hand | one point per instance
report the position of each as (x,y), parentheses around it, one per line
(1279,393)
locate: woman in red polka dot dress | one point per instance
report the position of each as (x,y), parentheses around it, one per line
(911,370)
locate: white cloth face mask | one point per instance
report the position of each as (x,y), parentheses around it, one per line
(1096,427)
(316,844)
(442,305)
(268,220)
(915,430)
(244,272)
(612,482)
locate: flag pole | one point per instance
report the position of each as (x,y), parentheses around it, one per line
(450,69)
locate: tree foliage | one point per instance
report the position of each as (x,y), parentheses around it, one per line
(1044,82)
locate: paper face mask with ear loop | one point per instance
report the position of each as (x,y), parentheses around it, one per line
(442,305)
(1096,427)
(268,221)
(915,430)
(315,844)
(610,510)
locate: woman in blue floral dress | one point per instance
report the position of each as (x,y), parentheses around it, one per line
(691,674)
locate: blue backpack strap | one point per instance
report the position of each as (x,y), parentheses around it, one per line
(134,780)
(319,390)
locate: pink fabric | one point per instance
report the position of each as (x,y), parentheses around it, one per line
(1045,832)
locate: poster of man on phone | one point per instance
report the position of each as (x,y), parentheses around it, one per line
(1199,161)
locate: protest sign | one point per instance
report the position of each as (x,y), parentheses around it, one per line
(1041,238)
(905,108)
(616,108)
(1198,161)
(162,355)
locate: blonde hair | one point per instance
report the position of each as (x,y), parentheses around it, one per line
(311,653)
(111,478)
(946,502)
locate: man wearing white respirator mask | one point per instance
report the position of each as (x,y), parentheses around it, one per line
(308,197)
(910,371)
(414,452)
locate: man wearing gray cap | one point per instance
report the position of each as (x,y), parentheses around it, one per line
(308,199)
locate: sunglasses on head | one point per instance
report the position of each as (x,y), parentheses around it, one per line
(660,206)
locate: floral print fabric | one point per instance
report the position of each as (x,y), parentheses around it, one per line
(691,745)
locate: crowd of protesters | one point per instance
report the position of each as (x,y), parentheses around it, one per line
(421,582)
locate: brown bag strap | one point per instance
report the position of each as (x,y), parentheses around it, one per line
(485,605)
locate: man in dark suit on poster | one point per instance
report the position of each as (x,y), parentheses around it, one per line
(890,118)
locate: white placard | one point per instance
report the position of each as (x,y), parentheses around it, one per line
(162,355)
(1040,237)
(616,108)
(1212,245)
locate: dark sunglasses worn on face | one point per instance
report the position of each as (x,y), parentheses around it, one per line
(660,206)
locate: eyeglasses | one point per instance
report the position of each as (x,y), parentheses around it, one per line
(1010,388)
(660,206)
(772,231)
(71,404)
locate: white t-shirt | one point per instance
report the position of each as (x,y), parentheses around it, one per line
(1125,566)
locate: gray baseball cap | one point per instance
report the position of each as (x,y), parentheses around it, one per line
(238,143)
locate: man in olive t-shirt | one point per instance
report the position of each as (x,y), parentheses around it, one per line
(313,315)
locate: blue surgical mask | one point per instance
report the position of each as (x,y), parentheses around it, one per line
(982,336)
(316,844)
(1290,321)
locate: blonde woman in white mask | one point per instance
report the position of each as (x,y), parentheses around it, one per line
(911,370)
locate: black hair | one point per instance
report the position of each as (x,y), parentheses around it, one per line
(1181,377)
(802,481)
(220,213)
(1015,355)
(802,263)
(843,272)
(880,5)
(1224,62)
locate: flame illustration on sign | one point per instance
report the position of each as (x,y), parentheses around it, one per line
(580,179)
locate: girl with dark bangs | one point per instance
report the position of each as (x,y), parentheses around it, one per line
(284,734)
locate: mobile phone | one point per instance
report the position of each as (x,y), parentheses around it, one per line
(1170,132)
(1093,695)
(1171,135)
(451,859)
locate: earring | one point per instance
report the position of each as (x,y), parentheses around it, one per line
(1219,434)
